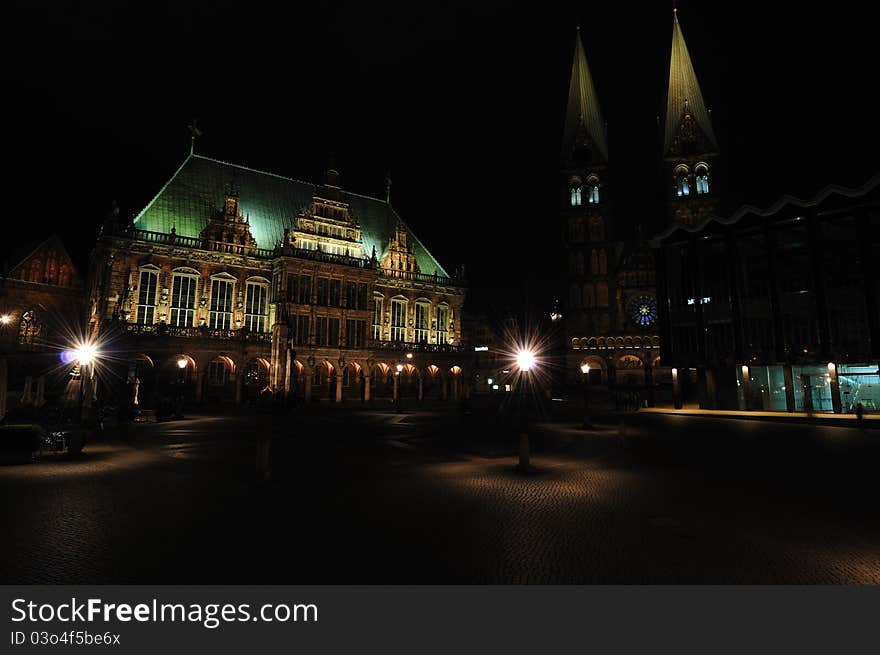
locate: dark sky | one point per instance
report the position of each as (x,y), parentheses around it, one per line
(462,101)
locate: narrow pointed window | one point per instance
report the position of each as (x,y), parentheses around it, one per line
(702,179)
(575,196)
(682,186)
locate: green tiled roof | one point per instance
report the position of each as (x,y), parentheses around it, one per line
(270,201)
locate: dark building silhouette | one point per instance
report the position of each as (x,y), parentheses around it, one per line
(776,309)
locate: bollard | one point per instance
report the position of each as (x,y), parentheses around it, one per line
(524,452)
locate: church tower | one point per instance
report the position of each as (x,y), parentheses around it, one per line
(585,203)
(689,144)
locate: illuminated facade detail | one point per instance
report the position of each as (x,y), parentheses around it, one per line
(643,311)
(272,285)
(576,197)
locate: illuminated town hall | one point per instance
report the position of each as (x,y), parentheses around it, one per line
(232,283)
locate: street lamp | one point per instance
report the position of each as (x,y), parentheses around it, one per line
(182,363)
(399,368)
(84,354)
(525,361)
(585,378)
(5,319)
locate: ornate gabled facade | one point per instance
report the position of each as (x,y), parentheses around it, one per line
(41,296)
(233,283)
(610,317)
(689,145)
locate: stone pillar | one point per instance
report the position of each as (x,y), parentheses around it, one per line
(443,388)
(308,384)
(746,386)
(366,388)
(339,385)
(421,388)
(288,364)
(239,383)
(649,385)
(676,388)
(200,386)
(396,386)
(835,388)
(788,381)
(4,386)
(456,386)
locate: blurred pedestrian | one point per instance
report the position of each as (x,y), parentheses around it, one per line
(860,410)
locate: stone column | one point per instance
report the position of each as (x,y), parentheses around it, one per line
(366,388)
(835,388)
(288,364)
(788,382)
(746,385)
(396,386)
(308,384)
(456,384)
(443,388)
(421,388)
(676,388)
(339,385)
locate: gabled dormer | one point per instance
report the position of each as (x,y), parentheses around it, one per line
(227,229)
(328,224)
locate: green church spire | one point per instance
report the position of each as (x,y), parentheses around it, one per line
(583,116)
(684,96)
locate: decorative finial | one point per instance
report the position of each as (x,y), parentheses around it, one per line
(388,187)
(194,132)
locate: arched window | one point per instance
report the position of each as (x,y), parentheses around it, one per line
(702,179)
(682,184)
(183,297)
(423,311)
(377,316)
(398,319)
(576,196)
(443,323)
(256,309)
(593,190)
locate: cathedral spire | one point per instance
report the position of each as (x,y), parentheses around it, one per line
(684,97)
(583,118)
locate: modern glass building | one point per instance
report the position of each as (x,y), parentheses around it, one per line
(775,309)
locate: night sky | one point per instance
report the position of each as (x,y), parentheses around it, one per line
(462,102)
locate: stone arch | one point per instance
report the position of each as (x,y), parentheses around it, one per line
(630,370)
(575,343)
(255,374)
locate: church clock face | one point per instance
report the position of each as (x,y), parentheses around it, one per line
(643,311)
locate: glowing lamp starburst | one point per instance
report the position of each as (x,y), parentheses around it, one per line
(525,360)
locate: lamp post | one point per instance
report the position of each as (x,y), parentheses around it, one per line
(585,378)
(84,354)
(181,381)
(525,361)
(399,370)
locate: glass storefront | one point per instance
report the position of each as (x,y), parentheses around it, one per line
(768,388)
(859,384)
(812,388)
